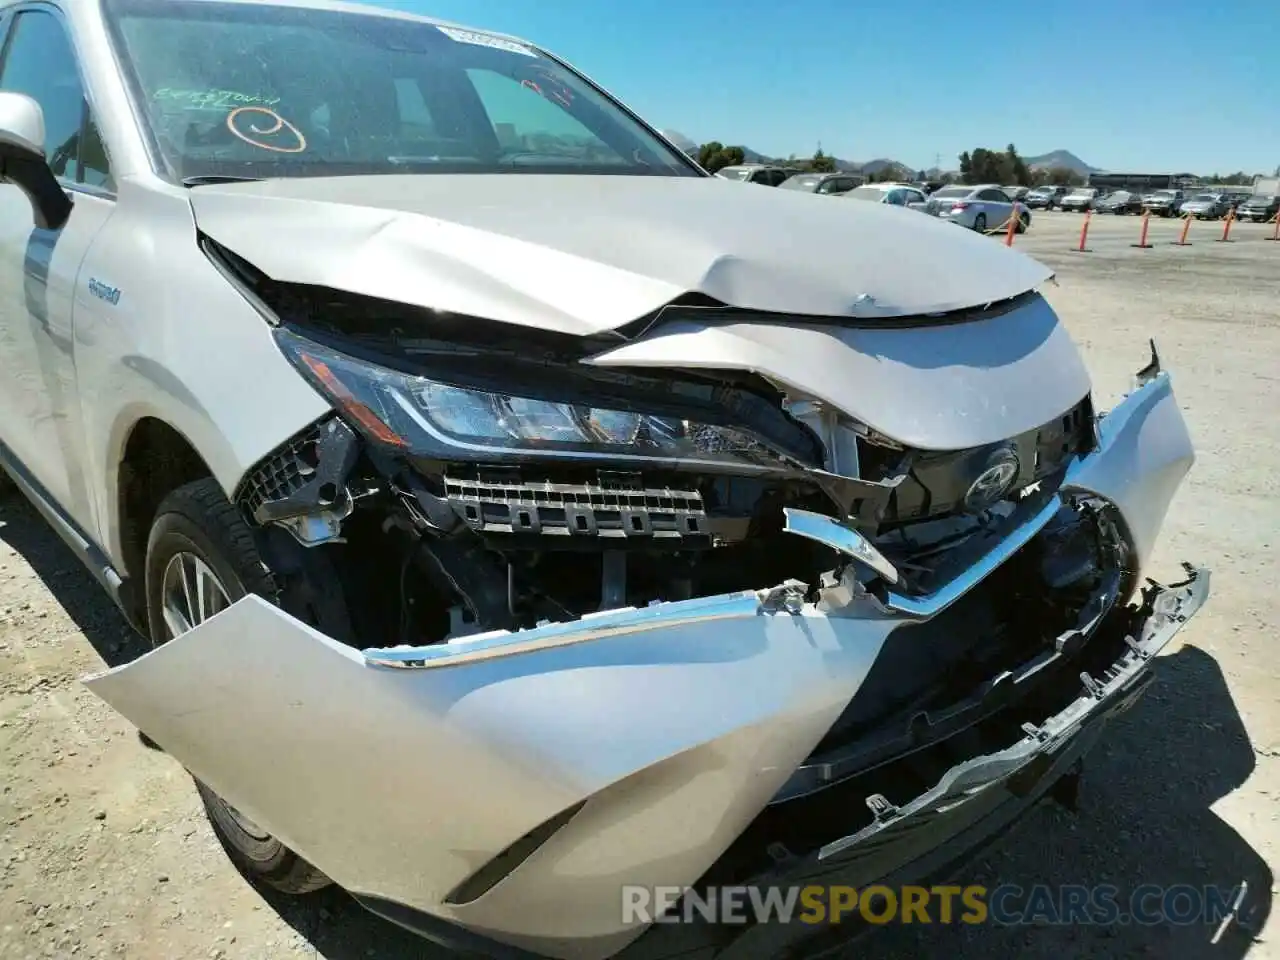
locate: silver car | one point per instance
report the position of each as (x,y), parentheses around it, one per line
(894,194)
(979,208)
(1206,206)
(528,524)
(827,184)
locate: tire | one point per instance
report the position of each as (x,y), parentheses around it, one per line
(980,223)
(197,521)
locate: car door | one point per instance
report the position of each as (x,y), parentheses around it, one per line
(996,205)
(40,423)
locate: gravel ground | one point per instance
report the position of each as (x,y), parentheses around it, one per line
(104,850)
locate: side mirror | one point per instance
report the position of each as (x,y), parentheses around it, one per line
(22,160)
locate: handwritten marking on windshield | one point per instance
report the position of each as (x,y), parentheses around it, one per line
(213,99)
(280,123)
(558,93)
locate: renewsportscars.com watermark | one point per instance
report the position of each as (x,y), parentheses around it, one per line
(1007,904)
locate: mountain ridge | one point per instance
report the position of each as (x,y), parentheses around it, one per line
(1060,158)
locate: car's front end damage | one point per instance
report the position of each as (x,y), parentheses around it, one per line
(717,596)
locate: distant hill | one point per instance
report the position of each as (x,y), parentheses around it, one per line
(754,156)
(681,141)
(1062,159)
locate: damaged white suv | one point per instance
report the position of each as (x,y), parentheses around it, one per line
(520,513)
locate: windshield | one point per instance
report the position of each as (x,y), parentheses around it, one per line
(874,194)
(1259,201)
(949,192)
(1164,194)
(259,90)
(1083,193)
(1205,198)
(734,173)
(801,182)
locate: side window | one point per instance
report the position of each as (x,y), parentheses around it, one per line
(993,195)
(533,116)
(39,62)
(897,197)
(415,117)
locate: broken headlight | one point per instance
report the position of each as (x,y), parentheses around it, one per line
(431,417)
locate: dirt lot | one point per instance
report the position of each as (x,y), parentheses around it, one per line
(104,850)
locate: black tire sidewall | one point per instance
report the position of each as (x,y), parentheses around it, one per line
(177,531)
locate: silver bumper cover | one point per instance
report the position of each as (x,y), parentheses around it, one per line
(400,772)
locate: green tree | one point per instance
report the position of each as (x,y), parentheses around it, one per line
(715,156)
(821,163)
(708,152)
(1064,177)
(1016,167)
(966,166)
(984,166)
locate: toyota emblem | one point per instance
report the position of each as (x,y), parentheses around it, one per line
(994,482)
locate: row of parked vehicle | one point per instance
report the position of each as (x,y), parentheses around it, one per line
(979,207)
(984,206)
(1164,203)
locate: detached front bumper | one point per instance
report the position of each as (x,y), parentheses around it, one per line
(502,789)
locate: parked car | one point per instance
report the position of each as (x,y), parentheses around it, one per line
(1235,200)
(1259,207)
(826,183)
(1206,206)
(1017,193)
(1164,203)
(980,207)
(1046,197)
(894,194)
(1080,199)
(465,592)
(1122,201)
(760,173)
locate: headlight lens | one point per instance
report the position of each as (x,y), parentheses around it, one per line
(433,418)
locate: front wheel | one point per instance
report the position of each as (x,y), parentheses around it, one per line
(980,223)
(201,558)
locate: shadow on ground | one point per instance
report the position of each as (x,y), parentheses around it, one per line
(1144,817)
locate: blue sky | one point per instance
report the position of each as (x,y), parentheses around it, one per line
(1125,84)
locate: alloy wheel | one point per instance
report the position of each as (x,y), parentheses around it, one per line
(191,593)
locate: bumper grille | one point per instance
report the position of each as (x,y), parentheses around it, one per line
(618,508)
(283,473)
(936,483)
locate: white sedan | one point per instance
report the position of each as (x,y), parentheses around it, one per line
(980,207)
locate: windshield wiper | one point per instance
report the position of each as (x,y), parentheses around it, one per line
(211,178)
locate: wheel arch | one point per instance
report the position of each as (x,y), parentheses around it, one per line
(155,459)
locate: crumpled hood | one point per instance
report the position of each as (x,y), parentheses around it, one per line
(585,254)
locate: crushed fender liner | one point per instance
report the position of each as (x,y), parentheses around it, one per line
(647,746)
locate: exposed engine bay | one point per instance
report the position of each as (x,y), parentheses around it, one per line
(610,575)
(507,540)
